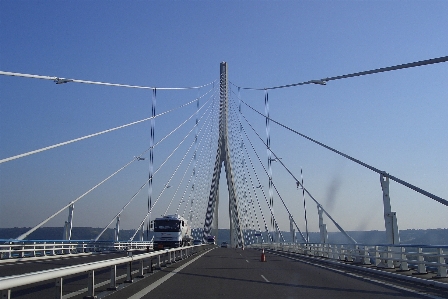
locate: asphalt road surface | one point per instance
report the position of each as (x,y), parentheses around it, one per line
(234,273)
(224,273)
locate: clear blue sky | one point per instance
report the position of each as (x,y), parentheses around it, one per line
(394,121)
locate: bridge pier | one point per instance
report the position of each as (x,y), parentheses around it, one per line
(223,159)
(69,224)
(117,229)
(390,218)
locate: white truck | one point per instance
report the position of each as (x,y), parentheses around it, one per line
(171,231)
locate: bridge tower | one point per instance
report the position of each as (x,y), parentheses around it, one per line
(223,158)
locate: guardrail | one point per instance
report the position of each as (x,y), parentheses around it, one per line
(419,258)
(21,249)
(162,257)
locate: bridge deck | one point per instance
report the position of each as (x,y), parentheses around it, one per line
(232,273)
(228,273)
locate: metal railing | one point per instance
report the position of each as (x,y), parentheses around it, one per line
(419,258)
(162,257)
(22,249)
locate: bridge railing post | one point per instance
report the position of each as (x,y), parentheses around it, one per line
(129,270)
(150,269)
(341,253)
(22,251)
(6,294)
(357,254)
(141,269)
(388,258)
(350,252)
(330,251)
(403,260)
(3,252)
(421,267)
(335,252)
(377,256)
(90,285)
(113,278)
(326,250)
(441,267)
(8,254)
(58,288)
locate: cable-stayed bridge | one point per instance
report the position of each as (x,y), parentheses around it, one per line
(211,127)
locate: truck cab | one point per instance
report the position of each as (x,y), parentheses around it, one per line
(171,231)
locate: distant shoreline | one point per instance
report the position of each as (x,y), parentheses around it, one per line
(438,236)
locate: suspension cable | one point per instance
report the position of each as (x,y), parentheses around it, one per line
(304,206)
(357,74)
(297,182)
(269,206)
(215,106)
(165,186)
(246,169)
(385,174)
(147,181)
(273,185)
(197,121)
(161,165)
(21,237)
(92,135)
(205,174)
(59,80)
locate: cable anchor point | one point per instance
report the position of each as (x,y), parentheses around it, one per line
(61,80)
(320,82)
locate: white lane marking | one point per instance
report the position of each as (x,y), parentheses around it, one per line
(265,278)
(163,279)
(247,261)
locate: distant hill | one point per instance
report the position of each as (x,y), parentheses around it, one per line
(410,236)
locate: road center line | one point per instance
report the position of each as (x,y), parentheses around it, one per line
(265,278)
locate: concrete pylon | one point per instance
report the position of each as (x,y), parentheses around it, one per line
(223,158)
